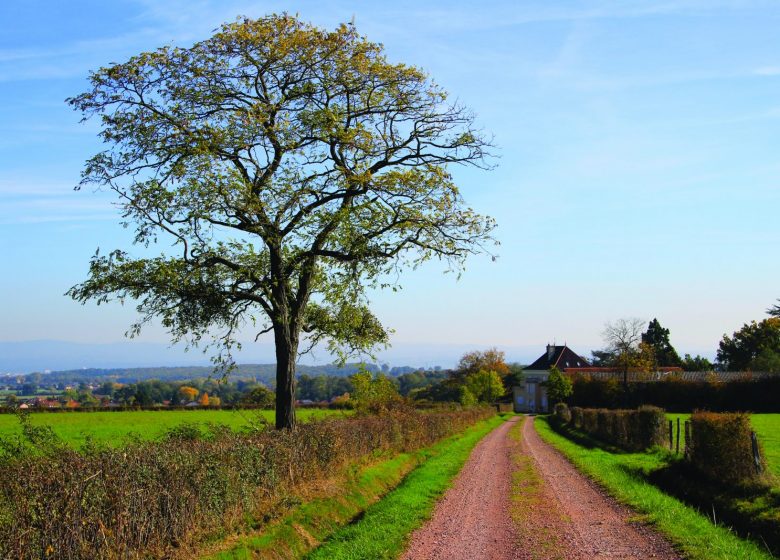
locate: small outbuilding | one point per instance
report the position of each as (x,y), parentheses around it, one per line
(531,394)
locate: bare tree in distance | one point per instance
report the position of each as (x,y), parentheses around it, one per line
(622,338)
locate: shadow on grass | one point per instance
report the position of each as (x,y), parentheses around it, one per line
(751,511)
(584,440)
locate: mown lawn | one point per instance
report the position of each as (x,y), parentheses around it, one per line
(115,427)
(624,477)
(767,427)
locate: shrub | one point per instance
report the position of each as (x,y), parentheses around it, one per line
(590,417)
(650,425)
(143,499)
(630,429)
(562,413)
(576,417)
(721,447)
(559,386)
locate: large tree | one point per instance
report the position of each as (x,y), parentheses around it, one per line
(292,167)
(657,338)
(755,346)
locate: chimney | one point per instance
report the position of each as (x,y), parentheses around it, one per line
(550,352)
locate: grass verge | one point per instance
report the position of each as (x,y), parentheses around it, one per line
(383,530)
(624,476)
(376,529)
(337,503)
(528,499)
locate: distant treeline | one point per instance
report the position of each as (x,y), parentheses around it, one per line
(213,392)
(264,373)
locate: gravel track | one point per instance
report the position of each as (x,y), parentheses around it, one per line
(473,520)
(574,518)
(594,526)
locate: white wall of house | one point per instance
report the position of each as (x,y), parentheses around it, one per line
(531,395)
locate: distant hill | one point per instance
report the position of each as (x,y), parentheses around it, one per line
(259,372)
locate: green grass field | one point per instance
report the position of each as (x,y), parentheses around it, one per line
(623,476)
(115,427)
(767,427)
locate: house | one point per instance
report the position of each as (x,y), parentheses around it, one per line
(531,394)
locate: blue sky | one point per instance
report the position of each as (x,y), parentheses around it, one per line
(638,172)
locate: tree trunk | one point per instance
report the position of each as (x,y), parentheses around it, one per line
(286,354)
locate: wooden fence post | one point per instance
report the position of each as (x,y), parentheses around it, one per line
(687,438)
(756,452)
(677,448)
(671,436)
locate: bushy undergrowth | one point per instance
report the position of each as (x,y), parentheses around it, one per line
(147,497)
(633,430)
(721,448)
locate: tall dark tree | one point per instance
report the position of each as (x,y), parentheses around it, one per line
(755,346)
(774,311)
(291,167)
(696,363)
(657,338)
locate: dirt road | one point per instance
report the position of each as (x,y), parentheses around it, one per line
(559,514)
(473,520)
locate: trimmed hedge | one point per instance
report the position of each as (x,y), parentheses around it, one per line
(677,395)
(562,413)
(147,498)
(721,447)
(634,430)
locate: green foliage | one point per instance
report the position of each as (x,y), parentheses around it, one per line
(562,413)
(720,447)
(559,386)
(658,338)
(698,363)
(259,396)
(486,386)
(753,345)
(634,430)
(491,359)
(373,393)
(767,426)
(467,398)
(292,168)
(767,360)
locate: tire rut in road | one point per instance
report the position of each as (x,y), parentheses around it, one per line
(596,526)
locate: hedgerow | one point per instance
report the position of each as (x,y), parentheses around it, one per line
(633,430)
(721,447)
(678,395)
(148,498)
